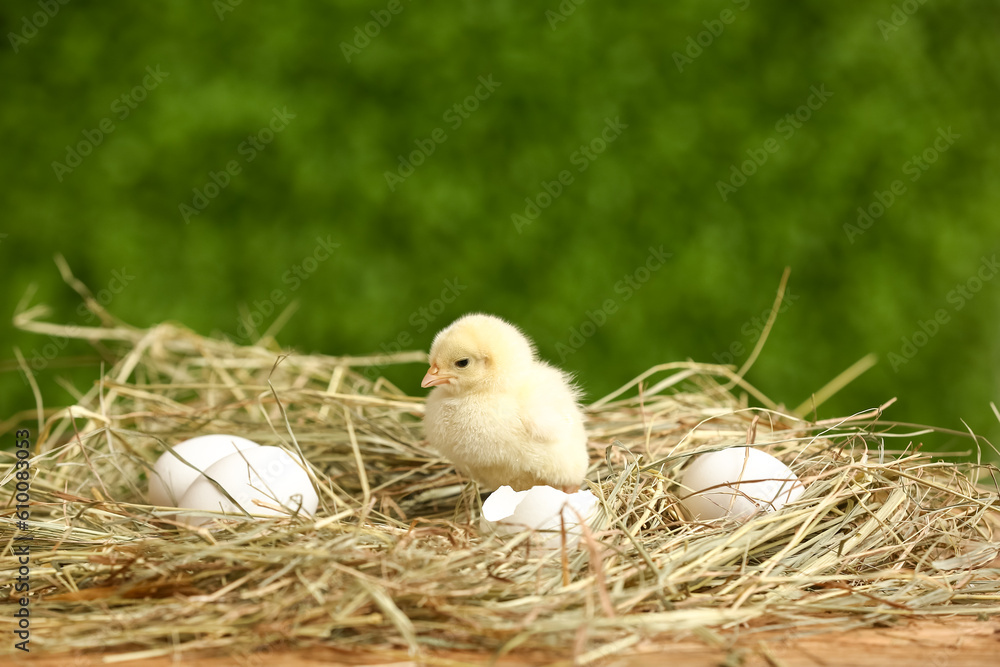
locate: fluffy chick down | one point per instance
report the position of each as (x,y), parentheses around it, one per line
(499,413)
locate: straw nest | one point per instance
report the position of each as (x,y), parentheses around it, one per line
(394,562)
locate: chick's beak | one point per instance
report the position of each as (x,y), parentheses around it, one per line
(433,378)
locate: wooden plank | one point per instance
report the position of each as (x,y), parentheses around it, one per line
(948,642)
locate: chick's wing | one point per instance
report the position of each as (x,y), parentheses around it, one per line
(549,410)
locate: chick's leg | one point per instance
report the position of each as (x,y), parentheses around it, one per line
(469,505)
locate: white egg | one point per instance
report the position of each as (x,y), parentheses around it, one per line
(737,483)
(266,481)
(171,477)
(541,508)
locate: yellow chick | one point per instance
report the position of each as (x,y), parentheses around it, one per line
(500,414)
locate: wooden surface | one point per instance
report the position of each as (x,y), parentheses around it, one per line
(941,643)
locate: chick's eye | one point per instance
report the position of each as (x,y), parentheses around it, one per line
(462,363)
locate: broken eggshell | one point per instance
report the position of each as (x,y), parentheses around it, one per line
(541,508)
(737,483)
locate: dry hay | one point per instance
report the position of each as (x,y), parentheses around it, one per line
(393,562)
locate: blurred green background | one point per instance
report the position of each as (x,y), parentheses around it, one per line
(276,125)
